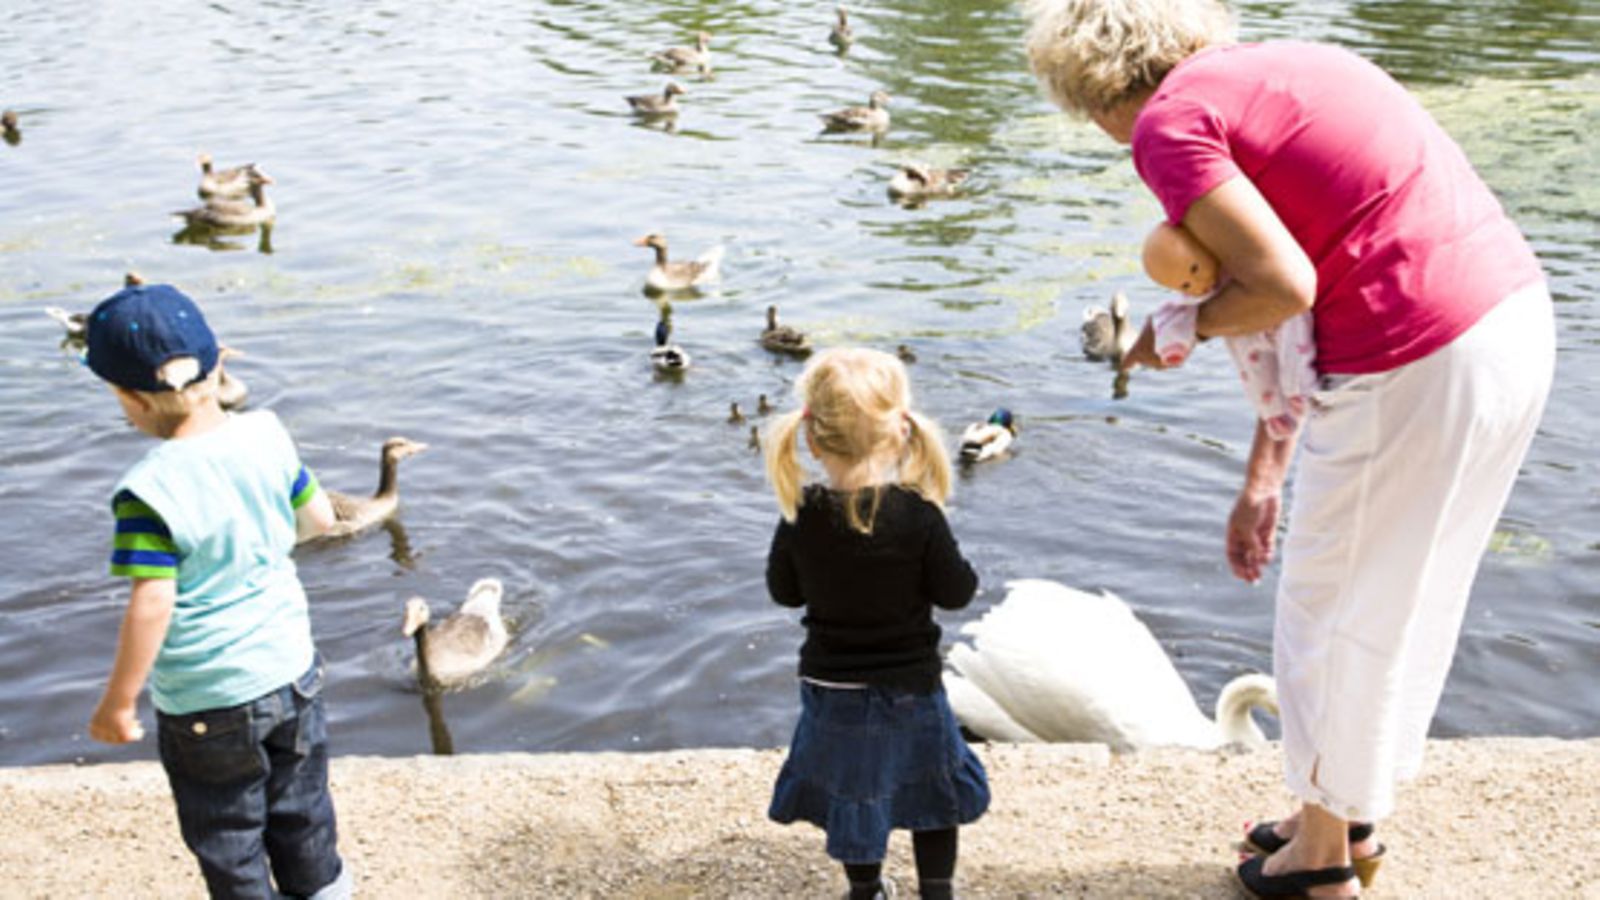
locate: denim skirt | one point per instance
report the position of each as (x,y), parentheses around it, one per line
(867,760)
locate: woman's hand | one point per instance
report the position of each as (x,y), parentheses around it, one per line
(115,723)
(1252,533)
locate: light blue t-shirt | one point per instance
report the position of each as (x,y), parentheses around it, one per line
(223,504)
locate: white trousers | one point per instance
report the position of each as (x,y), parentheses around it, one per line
(1401,478)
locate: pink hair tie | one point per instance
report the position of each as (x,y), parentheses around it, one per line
(805,412)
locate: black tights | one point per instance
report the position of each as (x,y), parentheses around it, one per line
(935,852)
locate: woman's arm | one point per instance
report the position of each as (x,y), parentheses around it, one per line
(1253,524)
(1270,278)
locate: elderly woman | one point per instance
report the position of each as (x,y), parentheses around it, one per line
(1320,184)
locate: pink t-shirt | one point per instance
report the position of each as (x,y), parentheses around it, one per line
(1410,246)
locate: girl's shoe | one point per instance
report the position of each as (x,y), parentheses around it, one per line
(1264,839)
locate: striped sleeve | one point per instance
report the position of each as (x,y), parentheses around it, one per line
(142,546)
(305,487)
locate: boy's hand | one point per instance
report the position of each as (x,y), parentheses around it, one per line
(115,724)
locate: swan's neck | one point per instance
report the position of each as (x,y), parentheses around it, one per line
(258,194)
(1238,698)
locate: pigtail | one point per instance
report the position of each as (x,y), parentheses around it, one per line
(926,468)
(783,461)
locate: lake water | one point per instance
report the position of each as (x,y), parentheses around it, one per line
(458,190)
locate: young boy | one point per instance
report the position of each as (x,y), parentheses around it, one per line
(217,616)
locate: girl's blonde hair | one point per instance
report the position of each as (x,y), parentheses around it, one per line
(170,408)
(1091,56)
(856,405)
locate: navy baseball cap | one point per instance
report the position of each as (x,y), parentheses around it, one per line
(141,328)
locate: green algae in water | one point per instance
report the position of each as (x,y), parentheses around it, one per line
(1521,545)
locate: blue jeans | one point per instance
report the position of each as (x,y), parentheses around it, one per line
(251,785)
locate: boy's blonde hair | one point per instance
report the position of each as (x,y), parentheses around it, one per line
(169,409)
(856,405)
(1091,56)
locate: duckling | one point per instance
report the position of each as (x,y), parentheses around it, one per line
(763,405)
(919,182)
(872,117)
(219,213)
(451,652)
(735,416)
(231,391)
(8,123)
(675,59)
(1107,334)
(75,324)
(987,440)
(782,338)
(669,357)
(840,35)
(356,514)
(228,184)
(677,276)
(755,438)
(657,105)
(132,279)
(905,354)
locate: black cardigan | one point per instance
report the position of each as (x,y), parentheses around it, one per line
(869,598)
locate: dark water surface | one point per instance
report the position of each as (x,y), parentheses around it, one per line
(457,192)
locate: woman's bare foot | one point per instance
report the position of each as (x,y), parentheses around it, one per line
(1362,849)
(1320,841)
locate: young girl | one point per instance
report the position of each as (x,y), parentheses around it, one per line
(868,556)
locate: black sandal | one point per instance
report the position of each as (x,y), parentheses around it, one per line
(1264,839)
(1292,884)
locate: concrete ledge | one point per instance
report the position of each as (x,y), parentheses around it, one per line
(1502,818)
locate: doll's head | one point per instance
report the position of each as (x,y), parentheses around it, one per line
(1174,259)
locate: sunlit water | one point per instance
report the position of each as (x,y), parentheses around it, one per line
(457,191)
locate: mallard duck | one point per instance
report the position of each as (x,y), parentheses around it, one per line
(356,514)
(1107,334)
(462,645)
(919,182)
(678,276)
(905,354)
(228,184)
(664,356)
(1050,663)
(662,104)
(231,392)
(872,117)
(8,123)
(763,405)
(782,338)
(219,213)
(989,439)
(673,59)
(840,35)
(735,415)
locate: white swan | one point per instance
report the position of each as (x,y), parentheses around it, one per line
(1050,663)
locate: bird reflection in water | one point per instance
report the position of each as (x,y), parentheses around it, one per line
(438,730)
(400,545)
(214,238)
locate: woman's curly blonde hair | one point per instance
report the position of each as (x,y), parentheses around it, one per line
(1093,55)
